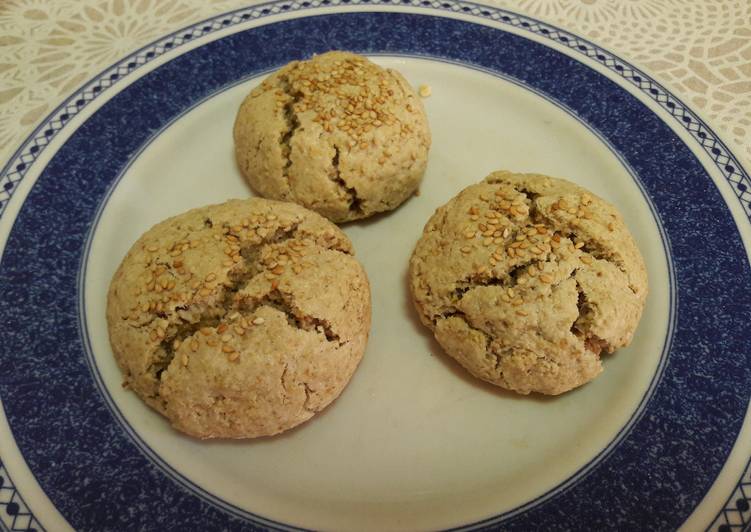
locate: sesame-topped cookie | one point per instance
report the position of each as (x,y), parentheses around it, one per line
(239,320)
(525,279)
(336,133)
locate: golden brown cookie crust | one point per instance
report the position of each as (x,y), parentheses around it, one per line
(337,134)
(525,279)
(239,320)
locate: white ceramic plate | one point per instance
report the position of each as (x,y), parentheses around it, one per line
(660,440)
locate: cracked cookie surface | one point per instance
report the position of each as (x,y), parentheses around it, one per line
(336,133)
(525,279)
(239,320)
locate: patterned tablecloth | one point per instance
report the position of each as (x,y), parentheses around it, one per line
(700,50)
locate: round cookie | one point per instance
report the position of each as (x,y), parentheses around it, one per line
(239,320)
(525,279)
(337,134)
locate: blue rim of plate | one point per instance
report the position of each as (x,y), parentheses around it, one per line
(27,263)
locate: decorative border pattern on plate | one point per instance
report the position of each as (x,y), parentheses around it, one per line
(17,167)
(15,514)
(736,515)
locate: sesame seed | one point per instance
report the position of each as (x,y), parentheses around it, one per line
(611,228)
(579,245)
(522,313)
(210,277)
(519,238)
(204,292)
(206,331)
(233,356)
(212,342)
(506,232)
(517,302)
(424,91)
(239,330)
(194,345)
(586,259)
(487,241)
(145,307)
(511,293)
(469,235)
(562,204)
(523,280)
(185,359)
(226,338)
(545,278)
(228,348)
(278,270)
(152,249)
(466,249)
(258,321)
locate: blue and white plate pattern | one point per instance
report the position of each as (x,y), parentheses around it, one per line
(661,440)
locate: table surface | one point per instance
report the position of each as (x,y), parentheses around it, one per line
(700,50)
